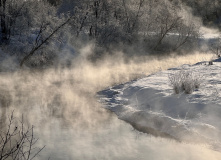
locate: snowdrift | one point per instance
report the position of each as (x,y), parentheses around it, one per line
(150,105)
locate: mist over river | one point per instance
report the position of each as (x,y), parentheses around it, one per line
(67,117)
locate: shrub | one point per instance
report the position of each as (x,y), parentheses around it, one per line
(184,81)
(17,142)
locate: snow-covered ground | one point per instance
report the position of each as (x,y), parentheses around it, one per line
(150,105)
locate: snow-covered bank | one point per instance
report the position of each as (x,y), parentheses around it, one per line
(151,106)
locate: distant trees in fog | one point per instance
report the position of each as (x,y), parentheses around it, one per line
(128,21)
(209,11)
(154,25)
(23,24)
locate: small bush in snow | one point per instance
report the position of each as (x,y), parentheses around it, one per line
(184,81)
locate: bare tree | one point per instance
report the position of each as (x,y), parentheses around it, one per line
(10,10)
(40,42)
(215,47)
(185,34)
(167,21)
(18,142)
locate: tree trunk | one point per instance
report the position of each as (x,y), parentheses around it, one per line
(4,28)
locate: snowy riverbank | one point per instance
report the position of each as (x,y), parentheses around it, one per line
(150,105)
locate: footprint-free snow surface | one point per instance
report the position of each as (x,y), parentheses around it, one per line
(150,105)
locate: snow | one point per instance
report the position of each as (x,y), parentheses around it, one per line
(150,105)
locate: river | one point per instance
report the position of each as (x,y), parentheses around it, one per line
(67,117)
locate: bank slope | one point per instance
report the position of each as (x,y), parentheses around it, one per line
(150,105)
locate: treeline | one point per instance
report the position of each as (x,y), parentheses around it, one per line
(151,26)
(157,25)
(208,11)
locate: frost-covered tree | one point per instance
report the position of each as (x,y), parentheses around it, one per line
(153,24)
(209,11)
(107,21)
(10,12)
(128,21)
(164,26)
(19,16)
(26,24)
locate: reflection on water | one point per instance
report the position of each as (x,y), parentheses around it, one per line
(62,105)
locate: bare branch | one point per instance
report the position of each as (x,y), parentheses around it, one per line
(38,46)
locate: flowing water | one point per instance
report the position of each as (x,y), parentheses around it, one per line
(62,105)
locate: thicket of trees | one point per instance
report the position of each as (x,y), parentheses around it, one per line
(42,28)
(152,23)
(209,11)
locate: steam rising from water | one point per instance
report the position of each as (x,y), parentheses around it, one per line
(62,105)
